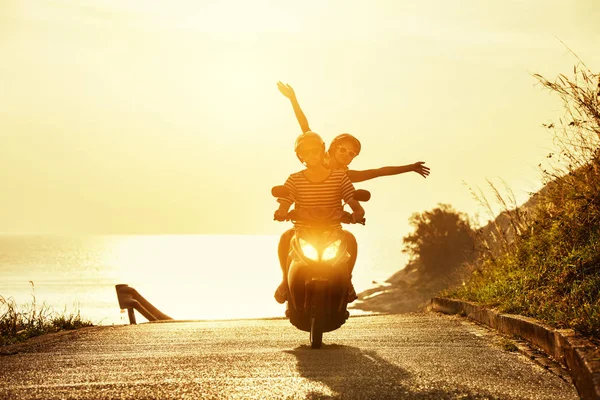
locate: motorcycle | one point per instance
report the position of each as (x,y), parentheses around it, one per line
(318,272)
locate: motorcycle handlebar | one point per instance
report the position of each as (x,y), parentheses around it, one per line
(346,218)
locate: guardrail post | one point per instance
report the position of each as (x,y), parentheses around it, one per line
(131,314)
(124,299)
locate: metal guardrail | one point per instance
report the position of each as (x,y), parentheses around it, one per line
(131,300)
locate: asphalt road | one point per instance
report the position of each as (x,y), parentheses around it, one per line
(410,356)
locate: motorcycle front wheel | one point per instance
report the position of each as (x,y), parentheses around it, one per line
(316,333)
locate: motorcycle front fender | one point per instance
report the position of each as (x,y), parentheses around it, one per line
(297,275)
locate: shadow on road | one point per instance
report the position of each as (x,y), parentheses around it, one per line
(352,373)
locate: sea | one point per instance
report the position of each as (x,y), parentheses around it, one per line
(188,277)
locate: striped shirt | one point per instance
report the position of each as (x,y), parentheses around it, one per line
(327,194)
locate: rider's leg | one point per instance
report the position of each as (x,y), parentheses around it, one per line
(283,251)
(352,249)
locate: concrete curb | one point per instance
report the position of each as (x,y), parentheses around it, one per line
(577,354)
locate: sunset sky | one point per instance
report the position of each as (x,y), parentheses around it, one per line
(122,116)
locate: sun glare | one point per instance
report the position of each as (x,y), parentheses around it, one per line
(201,276)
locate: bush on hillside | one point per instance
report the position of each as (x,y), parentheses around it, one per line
(442,241)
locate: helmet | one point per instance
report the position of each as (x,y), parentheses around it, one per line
(306,138)
(341,138)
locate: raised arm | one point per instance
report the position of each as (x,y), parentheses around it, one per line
(361,176)
(288,92)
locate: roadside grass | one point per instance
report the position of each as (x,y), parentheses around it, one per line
(20,323)
(543,259)
(508,345)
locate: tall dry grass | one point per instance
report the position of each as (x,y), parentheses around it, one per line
(18,323)
(543,259)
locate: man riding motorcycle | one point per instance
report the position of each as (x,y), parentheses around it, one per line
(314,190)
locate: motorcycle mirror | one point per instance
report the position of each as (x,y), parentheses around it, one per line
(280,191)
(362,195)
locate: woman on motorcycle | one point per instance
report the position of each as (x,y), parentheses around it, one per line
(342,150)
(314,187)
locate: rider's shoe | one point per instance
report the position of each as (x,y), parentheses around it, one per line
(351,293)
(281,293)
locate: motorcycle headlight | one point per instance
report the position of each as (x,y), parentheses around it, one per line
(331,251)
(308,250)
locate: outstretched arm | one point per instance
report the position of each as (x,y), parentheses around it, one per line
(360,176)
(288,92)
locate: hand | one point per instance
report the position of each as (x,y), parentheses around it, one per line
(358,218)
(286,90)
(358,215)
(280,215)
(421,169)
